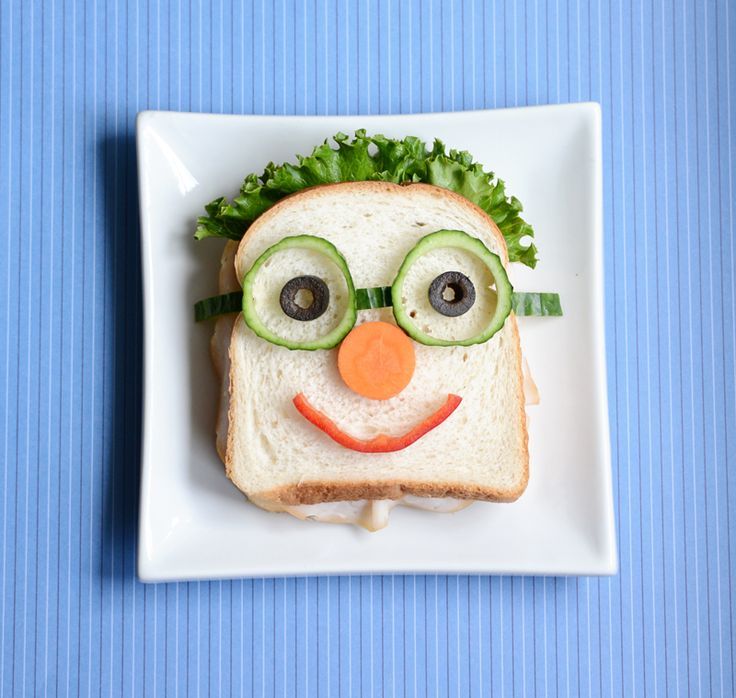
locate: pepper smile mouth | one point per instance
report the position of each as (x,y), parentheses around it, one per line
(383,443)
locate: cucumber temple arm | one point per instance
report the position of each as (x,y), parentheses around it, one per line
(523,303)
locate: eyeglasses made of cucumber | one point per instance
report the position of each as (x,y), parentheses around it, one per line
(435,306)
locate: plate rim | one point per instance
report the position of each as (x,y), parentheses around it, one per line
(148,570)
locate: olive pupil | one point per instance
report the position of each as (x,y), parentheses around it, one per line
(304,298)
(451,294)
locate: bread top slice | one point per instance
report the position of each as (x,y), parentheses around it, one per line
(277,458)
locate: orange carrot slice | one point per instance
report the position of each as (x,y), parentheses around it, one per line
(381,443)
(376,360)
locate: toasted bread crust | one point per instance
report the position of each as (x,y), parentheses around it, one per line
(316,492)
(522,409)
(406,189)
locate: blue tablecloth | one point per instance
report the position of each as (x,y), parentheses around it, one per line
(73,618)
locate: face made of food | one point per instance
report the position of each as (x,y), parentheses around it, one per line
(321,383)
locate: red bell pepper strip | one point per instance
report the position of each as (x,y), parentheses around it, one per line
(383,443)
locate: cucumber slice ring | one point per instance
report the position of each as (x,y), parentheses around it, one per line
(461,240)
(308,242)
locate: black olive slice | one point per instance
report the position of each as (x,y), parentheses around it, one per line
(308,305)
(452,294)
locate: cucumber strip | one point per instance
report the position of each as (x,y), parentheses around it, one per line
(529,304)
(366,299)
(523,303)
(377,297)
(218,305)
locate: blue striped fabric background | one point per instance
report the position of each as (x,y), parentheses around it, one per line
(73,619)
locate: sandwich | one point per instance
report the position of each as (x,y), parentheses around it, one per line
(366,338)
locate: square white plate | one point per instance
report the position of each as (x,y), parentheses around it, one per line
(194,524)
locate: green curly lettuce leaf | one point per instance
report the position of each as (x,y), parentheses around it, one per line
(376,157)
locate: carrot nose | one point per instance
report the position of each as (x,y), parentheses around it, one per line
(376,360)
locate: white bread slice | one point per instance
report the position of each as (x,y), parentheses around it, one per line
(279,460)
